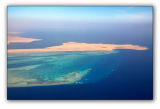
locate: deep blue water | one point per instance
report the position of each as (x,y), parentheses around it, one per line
(133,80)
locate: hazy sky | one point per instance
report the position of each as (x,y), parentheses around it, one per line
(22,18)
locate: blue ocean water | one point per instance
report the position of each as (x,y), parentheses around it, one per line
(132,80)
(129,72)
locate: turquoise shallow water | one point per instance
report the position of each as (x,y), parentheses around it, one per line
(57,68)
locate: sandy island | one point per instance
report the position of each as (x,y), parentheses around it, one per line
(75,46)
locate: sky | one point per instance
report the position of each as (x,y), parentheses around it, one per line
(23,18)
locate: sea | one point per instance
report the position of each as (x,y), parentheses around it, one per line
(118,75)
